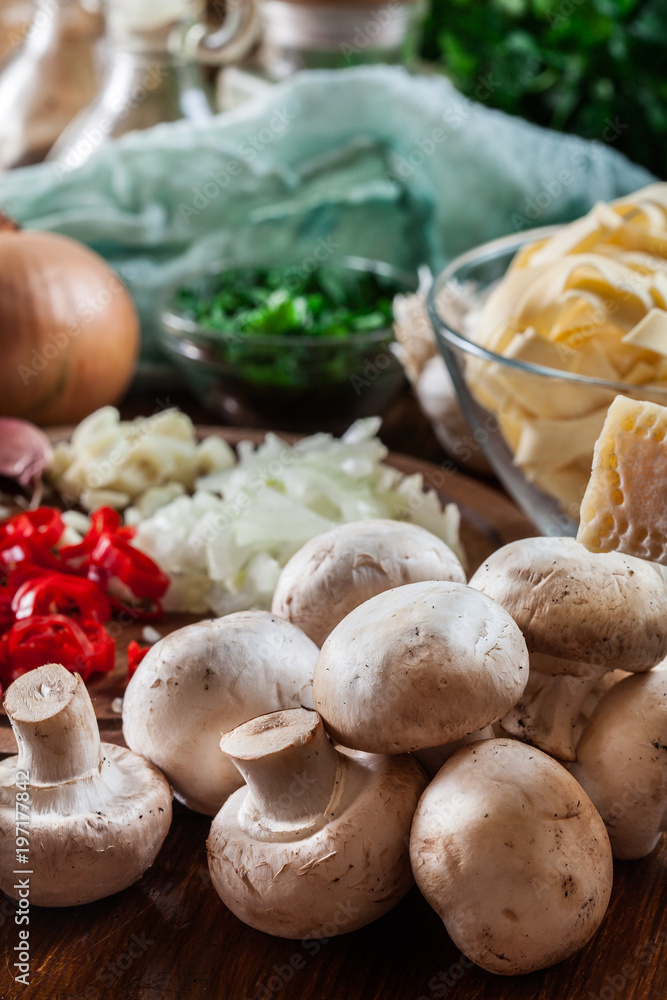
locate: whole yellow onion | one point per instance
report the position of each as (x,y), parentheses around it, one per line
(69,332)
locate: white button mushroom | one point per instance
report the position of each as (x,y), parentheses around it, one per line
(95,815)
(582,614)
(337,571)
(419,666)
(204,680)
(511,853)
(622,762)
(317,843)
(432,758)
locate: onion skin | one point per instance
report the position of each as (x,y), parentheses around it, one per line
(69,332)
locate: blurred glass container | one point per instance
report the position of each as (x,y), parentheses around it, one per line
(287,382)
(331,35)
(54,70)
(155,53)
(454,301)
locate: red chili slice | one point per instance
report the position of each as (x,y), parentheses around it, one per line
(46,639)
(55,601)
(44,525)
(103,521)
(6,613)
(57,593)
(135,655)
(104,647)
(13,554)
(20,552)
(132,567)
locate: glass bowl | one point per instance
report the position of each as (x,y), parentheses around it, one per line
(457,294)
(287,382)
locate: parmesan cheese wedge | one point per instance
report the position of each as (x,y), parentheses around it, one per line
(625,504)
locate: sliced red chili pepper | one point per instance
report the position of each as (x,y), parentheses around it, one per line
(75,556)
(6,613)
(44,525)
(46,639)
(131,566)
(104,647)
(19,551)
(57,593)
(12,554)
(26,570)
(103,521)
(54,602)
(135,654)
(4,661)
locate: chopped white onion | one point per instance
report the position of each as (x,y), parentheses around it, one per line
(225,545)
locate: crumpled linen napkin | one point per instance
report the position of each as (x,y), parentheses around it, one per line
(370,161)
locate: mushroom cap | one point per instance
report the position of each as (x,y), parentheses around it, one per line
(622,762)
(351,871)
(417,667)
(205,679)
(603,610)
(90,837)
(511,853)
(337,571)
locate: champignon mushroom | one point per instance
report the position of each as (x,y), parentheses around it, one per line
(582,614)
(419,666)
(337,571)
(95,814)
(432,758)
(510,852)
(622,762)
(205,679)
(552,712)
(316,844)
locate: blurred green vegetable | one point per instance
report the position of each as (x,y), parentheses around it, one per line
(278,302)
(592,67)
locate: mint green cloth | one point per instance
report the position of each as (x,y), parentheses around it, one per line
(369,161)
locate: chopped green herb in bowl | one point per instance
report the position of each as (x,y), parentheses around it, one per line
(277,342)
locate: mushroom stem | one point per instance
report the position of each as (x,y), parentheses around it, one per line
(290,766)
(55,726)
(550,713)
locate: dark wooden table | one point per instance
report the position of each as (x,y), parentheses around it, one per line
(170,938)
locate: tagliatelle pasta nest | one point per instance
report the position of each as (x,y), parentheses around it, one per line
(591,301)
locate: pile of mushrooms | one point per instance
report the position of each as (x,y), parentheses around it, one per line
(205,679)
(535,698)
(336,571)
(588,619)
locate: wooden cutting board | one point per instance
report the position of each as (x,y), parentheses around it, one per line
(170,938)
